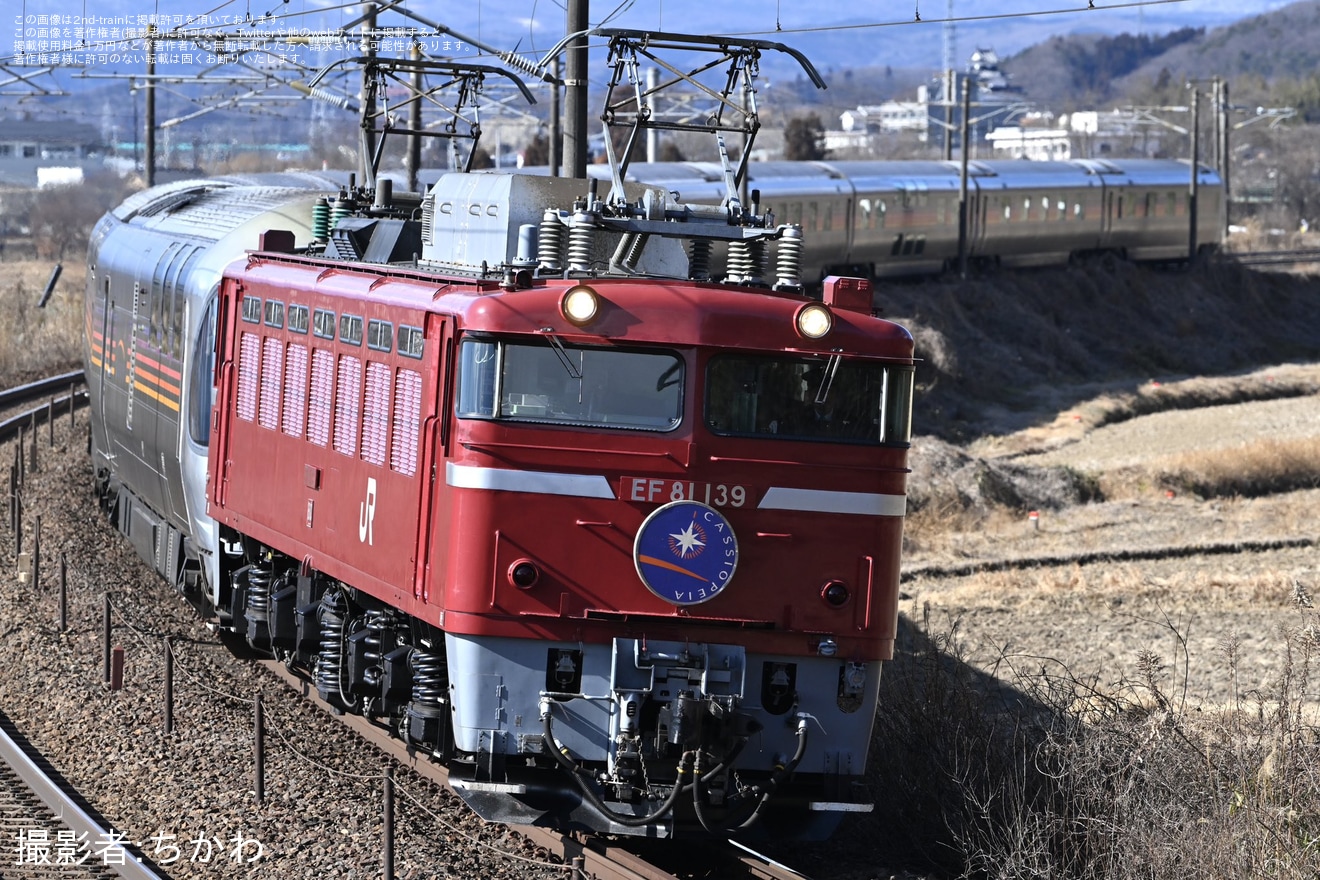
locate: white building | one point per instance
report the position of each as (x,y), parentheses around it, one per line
(891,117)
(1119,132)
(1037,144)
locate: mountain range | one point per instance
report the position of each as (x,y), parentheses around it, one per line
(834,33)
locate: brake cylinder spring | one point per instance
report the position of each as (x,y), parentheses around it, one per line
(333,617)
(258,592)
(430,682)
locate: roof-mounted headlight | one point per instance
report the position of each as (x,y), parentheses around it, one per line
(813,321)
(580,305)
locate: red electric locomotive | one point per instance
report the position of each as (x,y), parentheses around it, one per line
(619,544)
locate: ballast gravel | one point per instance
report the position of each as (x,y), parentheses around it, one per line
(188,798)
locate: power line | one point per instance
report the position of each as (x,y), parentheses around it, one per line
(1090,7)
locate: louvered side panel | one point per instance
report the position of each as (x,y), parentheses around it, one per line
(376,413)
(272,382)
(348,391)
(249,358)
(407,412)
(318,406)
(295,389)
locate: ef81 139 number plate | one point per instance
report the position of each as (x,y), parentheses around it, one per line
(654,490)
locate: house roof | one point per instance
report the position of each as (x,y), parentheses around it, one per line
(40,131)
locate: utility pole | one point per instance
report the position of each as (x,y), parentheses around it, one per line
(1192,185)
(413,160)
(556,124)
(1225,153)
(149,157)
(575,92)
(652,134)
(949,79)
(366,118)
(962,177)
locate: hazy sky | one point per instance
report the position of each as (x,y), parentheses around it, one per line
(834,33)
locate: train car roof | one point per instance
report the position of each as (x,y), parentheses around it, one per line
(659,310)
(185,197)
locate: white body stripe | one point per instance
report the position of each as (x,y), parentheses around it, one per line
(465,476)
(820,501)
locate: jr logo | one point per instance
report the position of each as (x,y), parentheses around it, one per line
(367,514)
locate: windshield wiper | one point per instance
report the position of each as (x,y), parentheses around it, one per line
(562,353)
(827,381)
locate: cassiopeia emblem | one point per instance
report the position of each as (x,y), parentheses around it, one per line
(686,552)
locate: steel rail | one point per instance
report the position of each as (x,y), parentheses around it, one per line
(1094,557)
(21,394)
(1276,258)
(590,855)
(67,809)
(606,863)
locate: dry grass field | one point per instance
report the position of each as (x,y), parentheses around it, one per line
(38,341)
(1123,685)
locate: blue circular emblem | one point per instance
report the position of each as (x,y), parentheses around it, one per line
(686,552)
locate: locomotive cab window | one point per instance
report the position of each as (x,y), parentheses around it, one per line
(324,324)
(412,341)
(274,313)
(298,319)
(350,329)
(380,335)
(570,385)
(827,399)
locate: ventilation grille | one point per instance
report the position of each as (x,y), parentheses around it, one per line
(295,389)
(318,409)
(248,364)
(375,413)
(272,374)
(407,411)
(348,391)
(428,218)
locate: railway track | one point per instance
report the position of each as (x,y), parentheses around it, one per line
(50,829)
(1276,258)
(58,395)
(588,856)
(1092,557)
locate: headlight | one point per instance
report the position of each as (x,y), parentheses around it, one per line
(814,320)
(580,305)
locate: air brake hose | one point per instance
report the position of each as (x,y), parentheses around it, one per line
(725,763)
(561,756)
(760,795)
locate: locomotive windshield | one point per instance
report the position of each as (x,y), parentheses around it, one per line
(552,382)
(830,399)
